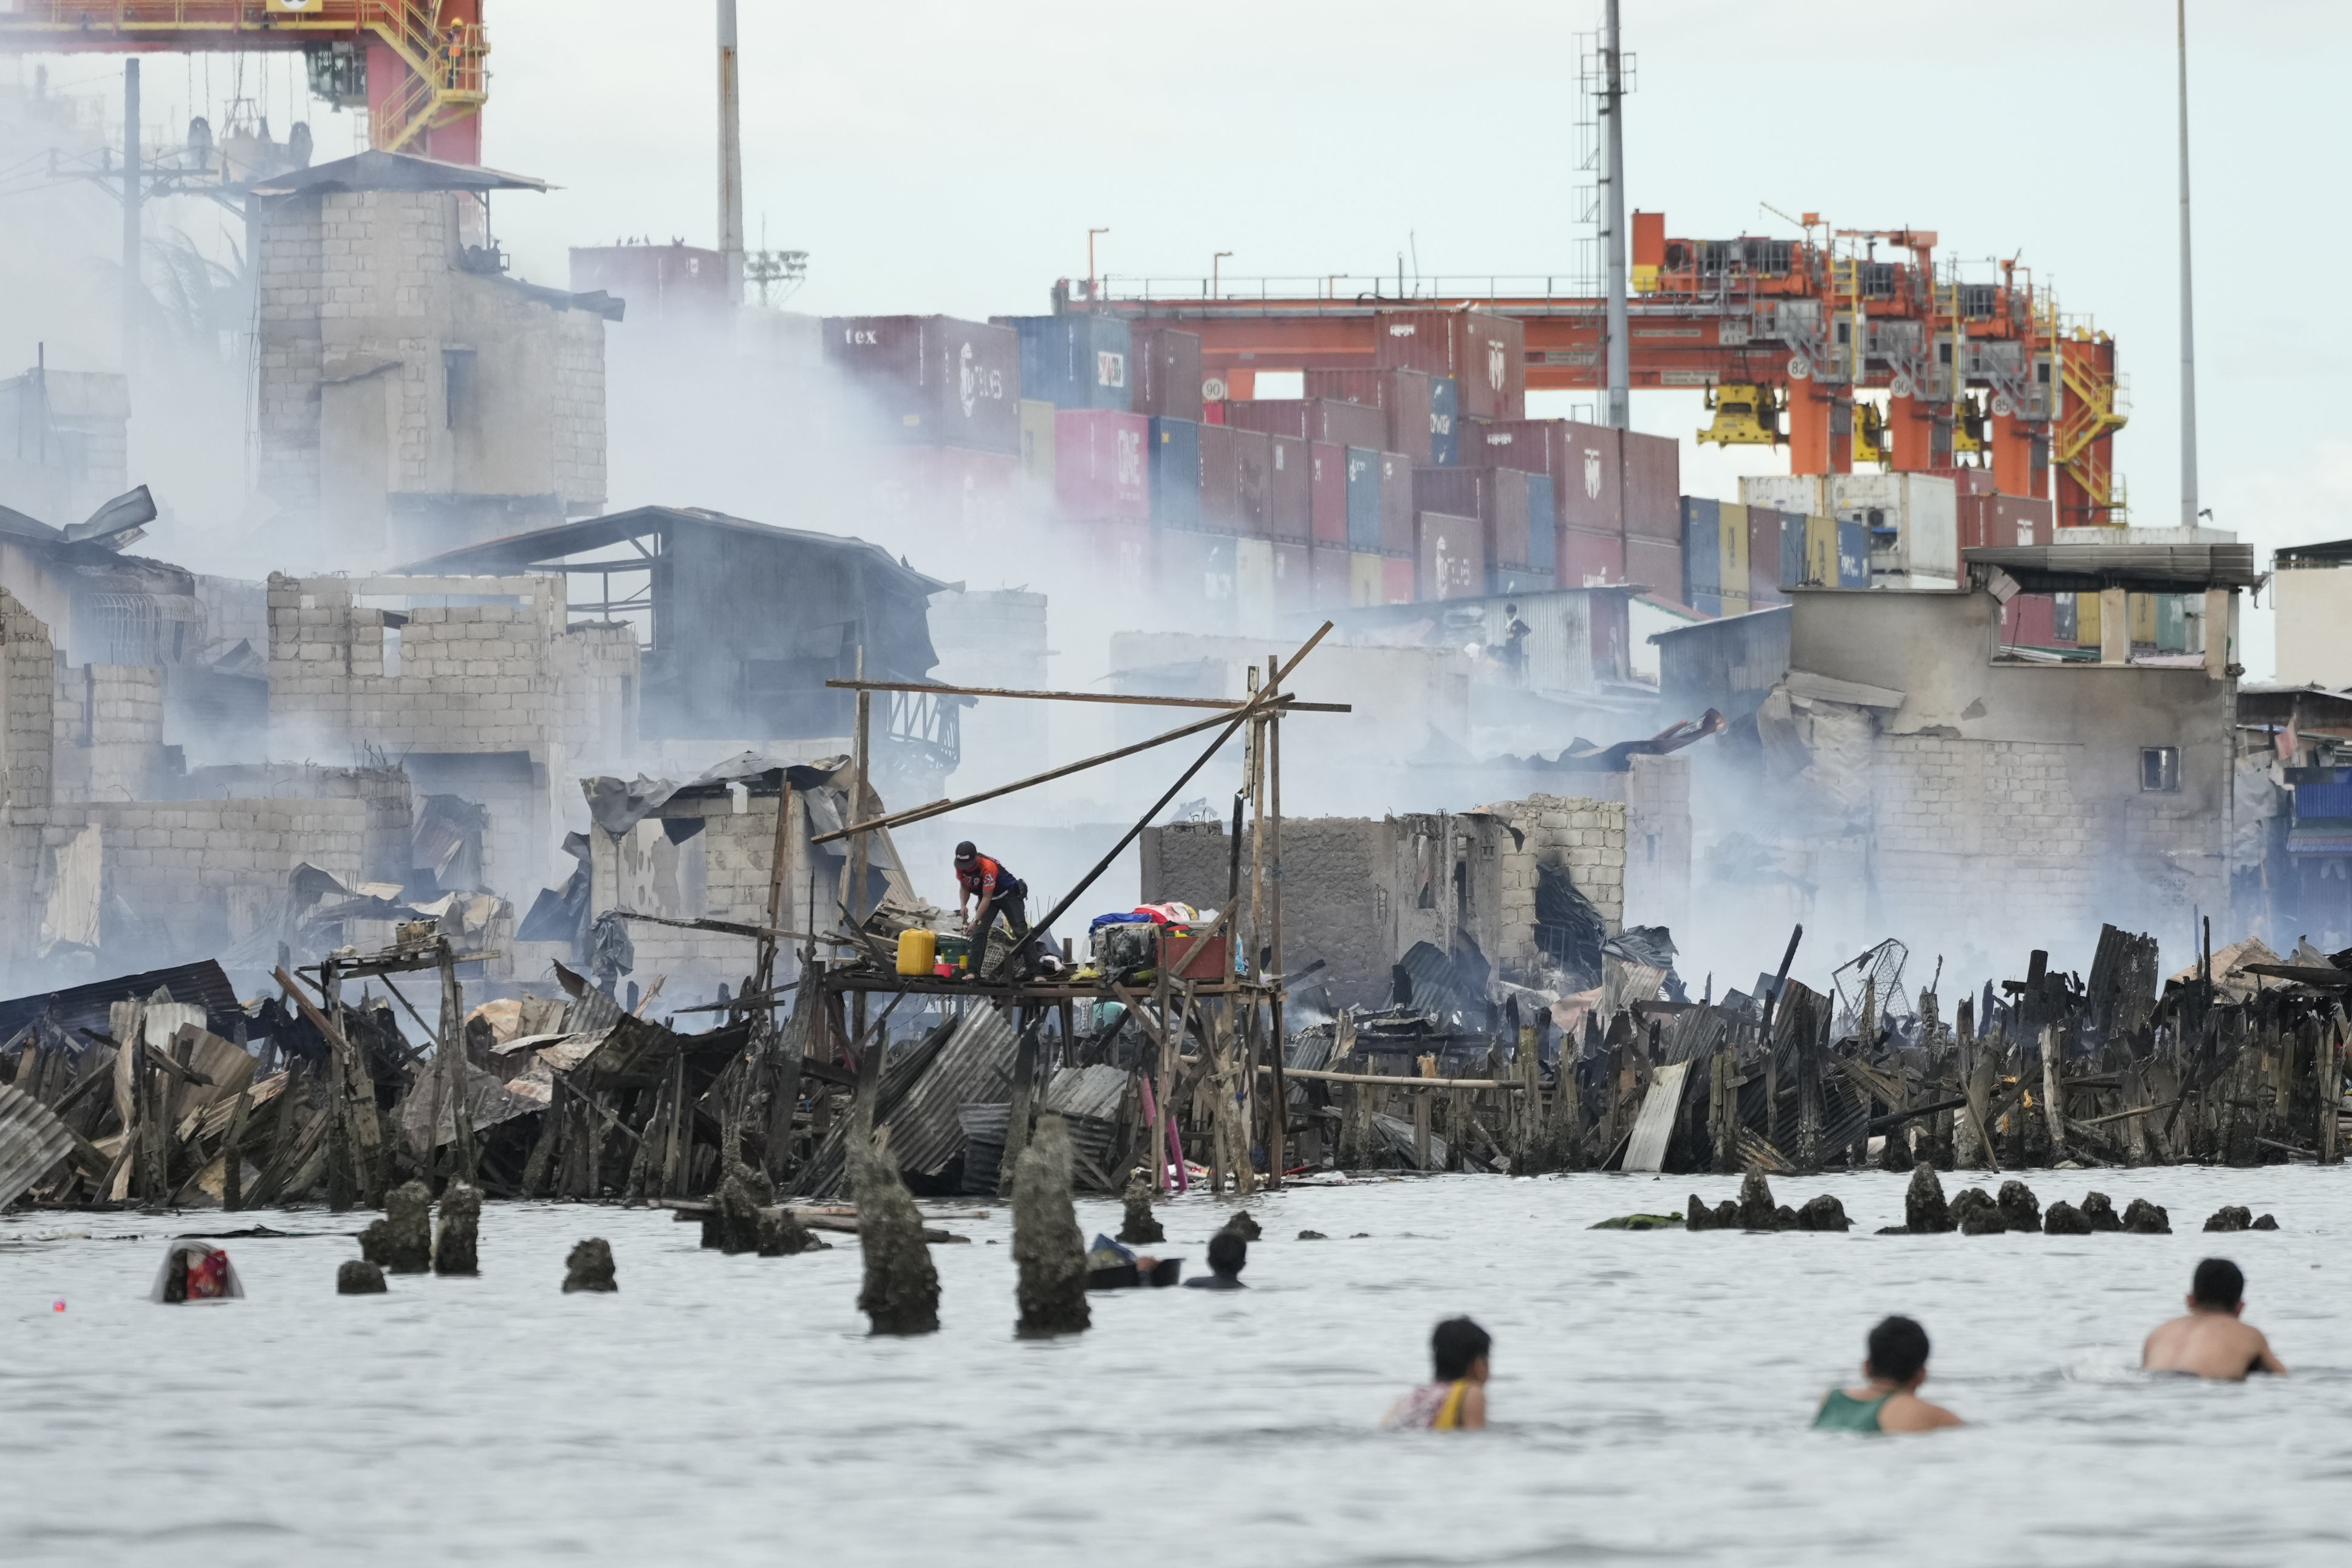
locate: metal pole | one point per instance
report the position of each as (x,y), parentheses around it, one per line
(2188,299)
(1620,379)
(731,157)
(131,161)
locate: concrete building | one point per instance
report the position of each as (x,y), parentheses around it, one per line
(480,687)
(1902,773)
(412,397)
(2311,599)
(1360,893)
(64,442)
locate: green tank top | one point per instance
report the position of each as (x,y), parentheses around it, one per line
(1841,1412)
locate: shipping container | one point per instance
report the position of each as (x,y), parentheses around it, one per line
(1703,555)
(1175,473)
(1731,566)
(1967,481)
(932,380)
(1313,419)
(1213,409)
(2000,520)
(1220,504)
(1163,372)
(971,498)
(1794,533)
(1518,579)
(1368,578)
(1196,578)
(2028,520)
(1543,523)
(1363,501)
(1397,574)
(1405,399)
(1656,565)
(1289,491)
(1852,554)
(1821,569)
(1253,483)
(1497,497)
(1254,586)
(1444,421)
(1653,477)
(1396,505)
(1293,579)
(1328,567)
(1327,493)
(1801,493)
(1766,556)
(1078,361)
(1119,556)
(1037,441)
(1453,557)
(1485,355)
(1101,465)
(1528,445)
(1914,519)
(2030,621)
(1587,559)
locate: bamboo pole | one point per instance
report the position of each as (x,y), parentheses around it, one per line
(1120,697)
(1277,1148)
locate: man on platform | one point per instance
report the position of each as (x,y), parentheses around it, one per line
(999,892)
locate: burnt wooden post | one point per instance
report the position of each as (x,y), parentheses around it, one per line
(1809,1031)
(2328,1067)
(1025,1081)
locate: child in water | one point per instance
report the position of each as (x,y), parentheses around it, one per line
(1456,1401)
(1889,1402)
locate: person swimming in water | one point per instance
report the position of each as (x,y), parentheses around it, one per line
(2210,1342)
(1456,1401)
(1227,1255)
(1889,1401)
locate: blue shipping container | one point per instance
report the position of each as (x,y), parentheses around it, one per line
(1176,473)
(1703,555)
(1444,421)
(1543,535)
(1073,362)
(1363,498)
(1854,555)
(1792,548)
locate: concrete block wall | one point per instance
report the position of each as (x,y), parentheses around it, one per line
(107,729)
(578,418)
(1586,836)
(1657,795)
(27,740)
(730,859)
(289,258)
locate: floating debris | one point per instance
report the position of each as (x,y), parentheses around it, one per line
(590,1267)
(358,1277)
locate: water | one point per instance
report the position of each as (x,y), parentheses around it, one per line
(1650,1396)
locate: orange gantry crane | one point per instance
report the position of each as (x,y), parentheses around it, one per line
(1984,372)
(415,65)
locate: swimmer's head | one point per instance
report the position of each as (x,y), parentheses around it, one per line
(1898,1350)
(2218,1286)
(1457,1345)
(1227,1253)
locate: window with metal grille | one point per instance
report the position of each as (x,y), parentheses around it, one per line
(2160,767)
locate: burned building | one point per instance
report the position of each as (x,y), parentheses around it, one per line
(412,396)
(1904,770)
(64,442)
(742,625)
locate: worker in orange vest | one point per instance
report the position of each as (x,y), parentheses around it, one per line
(999,892)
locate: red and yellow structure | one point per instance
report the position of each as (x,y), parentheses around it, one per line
(424,59)
(1781,334)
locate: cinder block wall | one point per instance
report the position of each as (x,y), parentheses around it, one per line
(1586,836)
(106,721)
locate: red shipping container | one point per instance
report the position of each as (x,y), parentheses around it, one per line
(1327,498)
(1764,556)
(1526,445)
(2030,621)
(1397,574)
(933,380)
(1293,579)
(1164,371)
(1253,483)
(1585,462)
(1213,412)
(1656,565)
(1328,569)
(1289,491)
(1589,558)
(1313,419)
(1497,497)
(1396,505)
(2024,520)
(1654,506)
(1406,399)
(1099,464)
(1488,355)
(1967,481)
(1220,480)
(1453,557)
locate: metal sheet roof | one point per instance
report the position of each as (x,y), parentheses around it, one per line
(541,548)
(378,170)
(32,1141)
(203,984)
(2149,568)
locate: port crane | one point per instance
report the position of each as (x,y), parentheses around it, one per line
(1780,333)
(417,67)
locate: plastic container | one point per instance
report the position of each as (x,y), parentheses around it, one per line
(953,957)
(919,951)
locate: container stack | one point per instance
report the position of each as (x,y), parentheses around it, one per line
(939,417)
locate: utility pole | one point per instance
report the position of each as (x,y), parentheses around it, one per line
(130,164)
(2188,299)
(1620,376)
(731,157)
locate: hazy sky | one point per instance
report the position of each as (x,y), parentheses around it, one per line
(947,157)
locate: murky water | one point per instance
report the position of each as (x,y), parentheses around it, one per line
(1649,1398)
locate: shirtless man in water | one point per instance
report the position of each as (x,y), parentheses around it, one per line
(2210,1342)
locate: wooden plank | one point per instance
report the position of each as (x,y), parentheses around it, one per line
(1119,697)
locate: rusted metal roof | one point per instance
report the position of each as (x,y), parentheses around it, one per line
(203,984)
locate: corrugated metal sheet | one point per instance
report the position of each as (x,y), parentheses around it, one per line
(975,1067)
(32,1141)
(85,1006)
